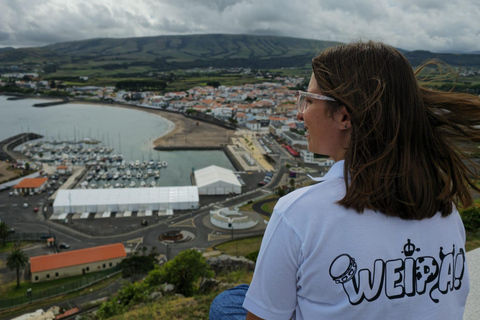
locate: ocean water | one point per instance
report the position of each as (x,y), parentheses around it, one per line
(130,132)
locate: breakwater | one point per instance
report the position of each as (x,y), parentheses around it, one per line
(7,145)
(49,104)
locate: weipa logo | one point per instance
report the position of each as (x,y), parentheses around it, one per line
(407,276)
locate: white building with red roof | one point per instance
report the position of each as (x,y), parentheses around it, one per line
(76,262)
(31,185)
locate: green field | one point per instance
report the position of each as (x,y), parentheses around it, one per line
(241,247)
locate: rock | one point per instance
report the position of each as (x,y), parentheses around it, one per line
(208,285)
(167,288)
(226,263)
(155,296)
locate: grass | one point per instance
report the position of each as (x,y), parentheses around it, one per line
(473,241)
(10,313)
(10,290)
(268,207)
(196,307)
(241,247)
(9,246)
(176,308)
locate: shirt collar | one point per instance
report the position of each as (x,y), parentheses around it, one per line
(336,171)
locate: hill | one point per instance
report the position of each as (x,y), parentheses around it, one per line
(138,57)
(164,53)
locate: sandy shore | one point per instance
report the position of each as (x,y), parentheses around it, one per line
(185,133)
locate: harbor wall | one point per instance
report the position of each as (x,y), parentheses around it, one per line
(232,159)
(10,144)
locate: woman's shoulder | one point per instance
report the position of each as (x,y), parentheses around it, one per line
(323,193)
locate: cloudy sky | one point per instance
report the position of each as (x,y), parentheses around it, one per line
(435,25)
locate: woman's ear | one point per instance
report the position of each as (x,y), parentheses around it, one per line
(343,118)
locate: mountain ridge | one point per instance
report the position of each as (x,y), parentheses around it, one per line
(188,51)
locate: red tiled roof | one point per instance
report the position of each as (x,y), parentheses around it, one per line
(62,167)
(31,183)
(277,118)
(67,313)
(77,257)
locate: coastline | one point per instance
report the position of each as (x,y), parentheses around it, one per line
(184,131)
(174,127)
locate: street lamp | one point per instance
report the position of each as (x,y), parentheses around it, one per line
(166,249)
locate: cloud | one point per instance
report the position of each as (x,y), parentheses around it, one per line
(436,25)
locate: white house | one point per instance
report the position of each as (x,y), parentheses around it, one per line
(253,125)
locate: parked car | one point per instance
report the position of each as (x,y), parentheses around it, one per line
(262,183)
(64,246)
(11,230)
(25,205)
(35,209)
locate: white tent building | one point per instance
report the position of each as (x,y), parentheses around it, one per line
(130,199)
(214,180)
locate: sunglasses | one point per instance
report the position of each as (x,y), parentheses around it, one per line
(302,97)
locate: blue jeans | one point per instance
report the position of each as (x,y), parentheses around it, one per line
(228,304)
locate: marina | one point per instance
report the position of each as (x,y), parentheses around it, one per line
(95,135)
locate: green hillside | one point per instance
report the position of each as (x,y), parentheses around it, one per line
(142,57)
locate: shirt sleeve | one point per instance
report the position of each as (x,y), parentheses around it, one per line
(273,291)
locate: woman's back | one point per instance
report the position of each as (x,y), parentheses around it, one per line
(349,265)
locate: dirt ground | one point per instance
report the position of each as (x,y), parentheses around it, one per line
(187,132)
(4,173)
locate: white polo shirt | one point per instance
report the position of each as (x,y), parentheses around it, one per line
(319,260)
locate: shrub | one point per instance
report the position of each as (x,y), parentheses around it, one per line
(252,256)
(471,219)
(183,272)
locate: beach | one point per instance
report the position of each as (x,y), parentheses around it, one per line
(186,132)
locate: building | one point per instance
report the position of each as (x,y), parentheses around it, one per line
(128,199)
(76,262)
(31,185)
(292,138)
(226,218)
(216,180)
(253,125)
(63,169)
(277,127)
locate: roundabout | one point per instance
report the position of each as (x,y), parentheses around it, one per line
(176,237)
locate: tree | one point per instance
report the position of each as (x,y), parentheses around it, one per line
(214,84)
(183,272)
(292,184)
(17,259)
(4,229)
(138,265)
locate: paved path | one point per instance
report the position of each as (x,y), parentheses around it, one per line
(472,309)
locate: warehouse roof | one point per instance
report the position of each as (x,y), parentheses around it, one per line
(214,174)
(127,195)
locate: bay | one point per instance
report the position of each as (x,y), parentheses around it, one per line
(130,132)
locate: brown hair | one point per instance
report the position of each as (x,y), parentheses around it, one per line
(404,157)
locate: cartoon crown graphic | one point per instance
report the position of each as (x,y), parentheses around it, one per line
(409,249)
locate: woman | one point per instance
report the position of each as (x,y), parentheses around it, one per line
(380,237)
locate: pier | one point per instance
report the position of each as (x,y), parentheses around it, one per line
(50,104)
